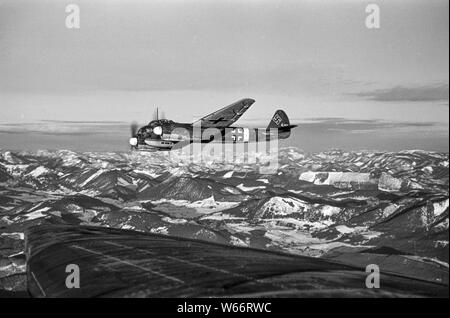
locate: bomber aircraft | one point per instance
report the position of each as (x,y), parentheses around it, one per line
(164,134)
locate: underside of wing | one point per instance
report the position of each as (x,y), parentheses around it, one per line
(122,263)
(228,115)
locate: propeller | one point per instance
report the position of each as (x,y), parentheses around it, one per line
(158,115)
(134,128)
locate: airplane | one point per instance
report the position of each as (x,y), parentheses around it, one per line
(164,134)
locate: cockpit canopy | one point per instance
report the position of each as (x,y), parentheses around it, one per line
(157,127)
(160,122)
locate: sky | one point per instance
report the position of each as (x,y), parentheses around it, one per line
(315,59)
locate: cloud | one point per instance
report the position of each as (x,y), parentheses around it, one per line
(352,126)
(439,92)
(54,127)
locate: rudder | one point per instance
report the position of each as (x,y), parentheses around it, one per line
(279,120)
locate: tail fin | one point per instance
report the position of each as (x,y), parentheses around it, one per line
(280,120)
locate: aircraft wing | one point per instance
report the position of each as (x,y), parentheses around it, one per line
(228,115)
(123,263)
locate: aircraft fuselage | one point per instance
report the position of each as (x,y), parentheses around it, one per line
(163,134)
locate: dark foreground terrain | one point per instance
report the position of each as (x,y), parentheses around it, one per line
(355,208)
(124,263)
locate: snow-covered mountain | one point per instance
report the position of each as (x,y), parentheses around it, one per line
(322,204)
